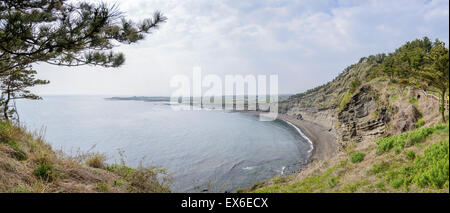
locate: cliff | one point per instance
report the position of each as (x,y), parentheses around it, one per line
(389,135)
(360,105)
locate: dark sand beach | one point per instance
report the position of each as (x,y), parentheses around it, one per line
(324,141)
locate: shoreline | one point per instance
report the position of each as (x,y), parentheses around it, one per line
(324,144)
(302,134)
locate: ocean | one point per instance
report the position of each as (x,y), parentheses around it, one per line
(201,149)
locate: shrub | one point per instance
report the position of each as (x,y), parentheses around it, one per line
(357,157)
(420,123)
(380,185)
(332,182)
(46,172)
(407,139)
(429,170)
(432,169)
(410,155)
(395,97)
(102,187)
(17,152)
(96,161)
(379,168)
(354,85)
(413,100)
(345,99)
(143,179)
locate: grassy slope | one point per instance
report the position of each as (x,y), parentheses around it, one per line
(28,164)
(416,161)
(362,167)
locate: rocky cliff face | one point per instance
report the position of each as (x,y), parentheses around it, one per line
(375,109)
(363,118)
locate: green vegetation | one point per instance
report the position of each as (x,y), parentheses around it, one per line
(96,161)
(432,169)
(357,157)
(407,139)
(102,187)
(413,100)
(395,97)
(422,64)
(424,167)
(411,154)
(420,123)
(63,33)
(142,179)
(28,164)
(309,184)
(14,84)
(46,172)
(345,99)
(429,170)
(355,84)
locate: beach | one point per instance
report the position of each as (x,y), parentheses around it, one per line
(324,141)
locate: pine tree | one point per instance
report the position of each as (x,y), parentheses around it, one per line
(15,85)
(436,72)
(64,33)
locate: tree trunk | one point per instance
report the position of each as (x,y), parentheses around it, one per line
(443,105)
(5,108)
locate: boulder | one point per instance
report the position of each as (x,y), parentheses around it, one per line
(406,118)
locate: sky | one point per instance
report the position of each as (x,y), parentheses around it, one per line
(306,43)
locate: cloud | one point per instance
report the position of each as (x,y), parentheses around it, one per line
(306,43)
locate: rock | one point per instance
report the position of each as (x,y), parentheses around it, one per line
(406,118)
(362,118)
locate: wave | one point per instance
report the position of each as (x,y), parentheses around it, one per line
(303,135)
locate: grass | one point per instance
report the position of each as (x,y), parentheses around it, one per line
(378,168)
(394,97)
(357,157)
(420,164)
(46,172)
(345,99)
(102,187)
(432,169)
(429,170)
(314,183)
(413,100)
(142,179)
(408,139)
(28,164)
(96,160)
(420,123)
(411,154)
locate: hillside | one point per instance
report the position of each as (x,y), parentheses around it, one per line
(363,107)
(415,161)
(28,164)
(359,106)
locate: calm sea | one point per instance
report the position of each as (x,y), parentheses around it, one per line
(223,149)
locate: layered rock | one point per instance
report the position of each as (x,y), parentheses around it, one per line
(363,118)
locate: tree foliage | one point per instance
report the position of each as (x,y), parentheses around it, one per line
(421,63)
(64,33)
(15,85)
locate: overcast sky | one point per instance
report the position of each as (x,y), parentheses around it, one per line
(307,43)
